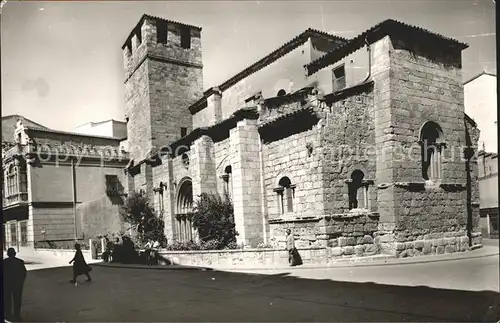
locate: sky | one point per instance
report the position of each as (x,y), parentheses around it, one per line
(61,62)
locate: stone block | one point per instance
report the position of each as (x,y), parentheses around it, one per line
(359,240)
(349,250)
(302,243)
(434,242)
(464,247)
(359,250)
(400,246)
(337,251)
(441,242)
(449,249)
(409,252)
(418,244)
(320,243)
(409,245)
(351,241)
(342,241)
(367,239)
(333,243)
(464,240)
(371,249)
(358,233)
(440,250)
(417,253)
(450,240)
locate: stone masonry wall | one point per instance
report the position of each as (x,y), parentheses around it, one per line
(137,110)
(348,141)
(159,92)
(289,157)
(173,88)
(346,235)
(203,166)
(425,89)
(223,157)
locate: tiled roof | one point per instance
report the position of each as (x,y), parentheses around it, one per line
(216,130)
(347,92)
(307,109)
(137,27)
(268,59)
(387,27)
(24,119)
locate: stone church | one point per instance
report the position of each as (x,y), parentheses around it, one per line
(360,145)
(357,143)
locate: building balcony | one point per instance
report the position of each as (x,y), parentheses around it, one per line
(15,150)
(15,199)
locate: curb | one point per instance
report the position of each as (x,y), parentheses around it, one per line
(152,267)
(381,260)
(361,263)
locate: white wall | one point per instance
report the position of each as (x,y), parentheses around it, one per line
(110,128)
(480,96)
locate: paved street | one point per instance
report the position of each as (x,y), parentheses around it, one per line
(340,294)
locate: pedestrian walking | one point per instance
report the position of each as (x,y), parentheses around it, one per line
(80,266)
(294,258)
(14,273)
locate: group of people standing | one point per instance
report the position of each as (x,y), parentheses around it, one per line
(125,251)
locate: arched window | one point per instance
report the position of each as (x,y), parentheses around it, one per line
(281,92)
(358,191)
(228,181)
(286,195)
(431,150)
(184,210)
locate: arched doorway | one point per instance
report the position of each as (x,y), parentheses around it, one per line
(183,213)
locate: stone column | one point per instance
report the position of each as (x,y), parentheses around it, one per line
(385,139)
(203,164)
(244,143)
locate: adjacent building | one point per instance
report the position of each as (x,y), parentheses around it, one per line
(480,94)
(58,186)
(480,98)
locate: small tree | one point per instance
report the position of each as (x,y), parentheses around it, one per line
(213,217)
(137,212)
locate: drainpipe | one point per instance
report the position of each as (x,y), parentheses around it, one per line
(369,60)
(73,180)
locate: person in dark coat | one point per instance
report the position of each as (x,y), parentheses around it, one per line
(116,255)
(294,258)
(80,266)
(14,273)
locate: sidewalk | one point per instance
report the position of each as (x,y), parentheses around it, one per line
(378,260)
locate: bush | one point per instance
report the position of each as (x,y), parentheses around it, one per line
(213,218)
(202,245)
(68,244)
(137,212)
